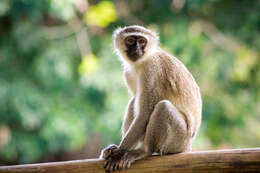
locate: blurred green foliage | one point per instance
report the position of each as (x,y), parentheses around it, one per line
(54,94)
(101,14)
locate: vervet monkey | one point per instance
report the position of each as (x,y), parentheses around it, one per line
(164,113)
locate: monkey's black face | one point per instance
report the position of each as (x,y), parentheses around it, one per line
(135,47)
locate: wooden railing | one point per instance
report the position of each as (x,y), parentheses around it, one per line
(235,160)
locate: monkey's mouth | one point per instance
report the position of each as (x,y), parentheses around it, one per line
(134,55)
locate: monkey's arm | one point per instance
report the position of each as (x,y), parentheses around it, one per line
(138,126)
(129,116)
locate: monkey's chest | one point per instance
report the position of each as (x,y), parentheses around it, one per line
(132,82)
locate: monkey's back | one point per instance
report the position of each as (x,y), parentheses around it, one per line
(179,87)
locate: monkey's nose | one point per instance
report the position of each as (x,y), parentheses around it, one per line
(139,50)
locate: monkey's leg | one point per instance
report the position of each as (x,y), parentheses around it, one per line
(166,132)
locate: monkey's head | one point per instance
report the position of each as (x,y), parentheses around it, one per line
(134,43)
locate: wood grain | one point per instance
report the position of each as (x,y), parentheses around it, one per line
(235,160)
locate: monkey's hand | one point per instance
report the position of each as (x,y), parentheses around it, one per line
(106,152)
(115,160)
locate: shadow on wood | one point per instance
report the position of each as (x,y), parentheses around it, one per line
(235,160)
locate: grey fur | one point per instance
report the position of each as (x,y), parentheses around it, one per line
(164,113)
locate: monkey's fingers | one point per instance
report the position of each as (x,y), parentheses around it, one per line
(112,165)
(121,163)
(125,163)
(127,160)
(117,165)
(106,163)
(130,163)
(108,166)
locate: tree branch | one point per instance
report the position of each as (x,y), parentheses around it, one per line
(235,160)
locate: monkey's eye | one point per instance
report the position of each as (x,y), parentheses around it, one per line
(130,40)
(142,41)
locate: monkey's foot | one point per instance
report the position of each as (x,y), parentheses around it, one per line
(112,163)
(106,152)
(133,155)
